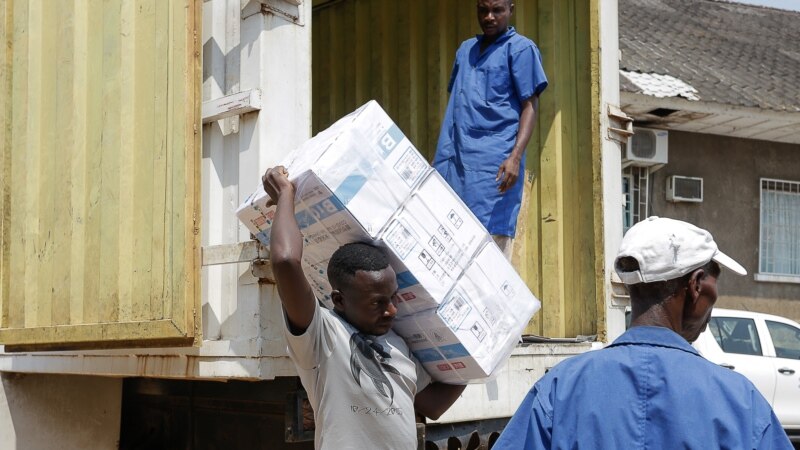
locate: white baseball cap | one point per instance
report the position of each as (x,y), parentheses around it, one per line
(667,249)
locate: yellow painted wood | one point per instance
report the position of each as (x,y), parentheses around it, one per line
(78,159)
(158,261)
(6,31)
(100,188)
(402,55)
(71,336)
(596,143)
(110,154)
(61,135)
(144,116)
(14,307)
(131,69)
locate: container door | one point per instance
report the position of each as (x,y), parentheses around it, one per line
(99,199)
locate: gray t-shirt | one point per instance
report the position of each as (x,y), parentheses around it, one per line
(361,387)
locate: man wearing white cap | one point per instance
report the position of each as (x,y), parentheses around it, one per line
(650,388)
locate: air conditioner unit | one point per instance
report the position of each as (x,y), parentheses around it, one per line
(647,147)
(684,189)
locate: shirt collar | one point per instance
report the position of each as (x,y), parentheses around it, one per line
(503,37)
(656,336)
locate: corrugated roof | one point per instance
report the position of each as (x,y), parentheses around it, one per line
(730,53)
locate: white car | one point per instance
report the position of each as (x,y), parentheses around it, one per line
(765,349)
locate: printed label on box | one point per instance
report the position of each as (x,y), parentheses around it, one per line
(389,141)
(455,309)
(411,166)
(452,351)
(400,239)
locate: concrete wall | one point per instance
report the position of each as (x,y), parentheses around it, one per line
(731,169)
(43,412)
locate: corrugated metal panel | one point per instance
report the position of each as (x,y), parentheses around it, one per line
(100,171)
(401,54)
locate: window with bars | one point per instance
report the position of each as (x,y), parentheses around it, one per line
(636,195)
(779,247)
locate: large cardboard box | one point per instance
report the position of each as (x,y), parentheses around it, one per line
(461,305)
(474,329)
(431,240)
(366,161)
(350,180)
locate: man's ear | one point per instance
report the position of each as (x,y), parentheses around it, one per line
(693,291)
(337,298)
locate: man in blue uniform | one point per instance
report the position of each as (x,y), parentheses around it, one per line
(494,95)
(650,388)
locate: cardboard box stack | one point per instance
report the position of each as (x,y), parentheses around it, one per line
(461,305)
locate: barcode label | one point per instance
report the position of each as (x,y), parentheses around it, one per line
(411,166)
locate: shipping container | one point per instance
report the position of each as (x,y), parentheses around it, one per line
(133,129)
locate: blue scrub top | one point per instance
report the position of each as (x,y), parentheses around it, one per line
(649,389)
(481,122)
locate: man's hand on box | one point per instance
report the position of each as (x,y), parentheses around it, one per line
(276,183)
(507,174)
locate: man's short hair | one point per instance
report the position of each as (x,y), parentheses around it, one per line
(350,258)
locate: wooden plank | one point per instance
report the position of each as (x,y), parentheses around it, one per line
(589,168)
(347,58)
(161,145)
(569,184)
(418,80)
(142,159)
(376,34)
(175,306)
(362,49)
(33,241)
(127,333)
(316,82)
(400,65)
(95,106)
(600,320)
(61,148)
(552,201)
(78,162)
(321,61)
(86,169)
(528,252)
(6,55)
(175,138)
(338,49)
(190,296)
(181,306)
(527,248)
(129,74)
(112,88)
(439,66)
(388,69)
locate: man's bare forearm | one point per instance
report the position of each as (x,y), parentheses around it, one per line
(436,399)
(286,253)
(527,122)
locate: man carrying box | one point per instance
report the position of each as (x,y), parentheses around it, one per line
(362,381)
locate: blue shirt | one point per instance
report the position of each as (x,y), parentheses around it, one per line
(649,389)
(481,122)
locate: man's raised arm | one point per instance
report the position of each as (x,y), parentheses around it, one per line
(286,252)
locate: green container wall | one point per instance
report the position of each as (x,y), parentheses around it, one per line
(400,53)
